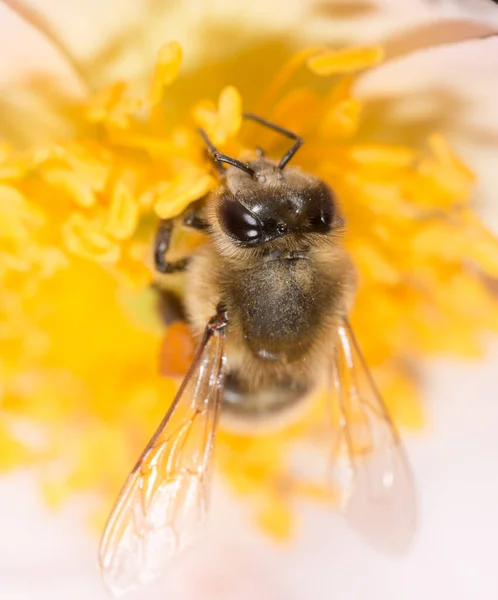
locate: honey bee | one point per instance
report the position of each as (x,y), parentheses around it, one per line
(267,297)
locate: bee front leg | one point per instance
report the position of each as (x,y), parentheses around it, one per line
(163,239)
(192,217)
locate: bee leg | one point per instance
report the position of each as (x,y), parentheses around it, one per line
(192,217)
(169,305)
(163,239)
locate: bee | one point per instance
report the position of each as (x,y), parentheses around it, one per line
(267,296)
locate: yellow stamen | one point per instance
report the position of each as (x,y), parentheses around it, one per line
(348,60)
(16,215)
(386,157)
(223,122)
(69,183)
(275,516)
(174,197)
(342,119)
(84,238)
(283,76)
(166,71)
(123,212)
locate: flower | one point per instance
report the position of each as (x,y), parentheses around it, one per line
(81,391)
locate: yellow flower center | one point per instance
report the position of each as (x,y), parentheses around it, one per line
(80,344)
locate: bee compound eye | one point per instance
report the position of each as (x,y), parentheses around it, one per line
(240,223)
(322,218)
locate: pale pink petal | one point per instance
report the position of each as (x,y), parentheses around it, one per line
(27,53)
(120,38)
(373,21)
(34,79)
(116,38)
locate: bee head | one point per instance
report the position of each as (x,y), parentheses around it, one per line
(256,209)
(261,201)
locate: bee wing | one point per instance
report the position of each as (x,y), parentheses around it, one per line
(163,503)
(370,470)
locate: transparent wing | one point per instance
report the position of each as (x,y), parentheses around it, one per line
(370,471)
(163,503)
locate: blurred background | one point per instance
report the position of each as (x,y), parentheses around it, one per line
(439,75)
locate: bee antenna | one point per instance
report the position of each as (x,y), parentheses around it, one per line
(218,157)
(292,150)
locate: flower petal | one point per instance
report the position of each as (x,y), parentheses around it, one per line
(35,79)
(401,27)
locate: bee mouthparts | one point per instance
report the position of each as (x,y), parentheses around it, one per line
(285,255)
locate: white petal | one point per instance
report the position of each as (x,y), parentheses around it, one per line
(25,53)
(374,21)
(34,78)
(116,38)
